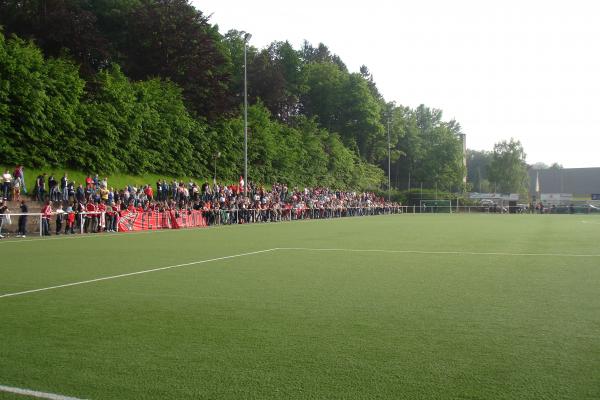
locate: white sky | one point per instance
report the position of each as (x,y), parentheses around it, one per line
(526,69)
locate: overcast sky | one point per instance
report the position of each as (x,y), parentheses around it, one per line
(523,69)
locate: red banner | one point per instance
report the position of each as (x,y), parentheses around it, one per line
(187,219)
(130,221)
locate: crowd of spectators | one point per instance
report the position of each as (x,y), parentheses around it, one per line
(94,206)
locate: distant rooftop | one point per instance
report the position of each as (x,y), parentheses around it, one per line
(577,181)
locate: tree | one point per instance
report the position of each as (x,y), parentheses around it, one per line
(276,80)
(58,26)
(170,138)
(478,164)
(344,103)
(233,42)
(142,127)
(162,89)
(114,124)
(508,171)
(320,54)
(408,146)
(171,39)
(360,118)
(433,148)
(556,166)
(39,105)
(366,74)
(541,165)
(322,99)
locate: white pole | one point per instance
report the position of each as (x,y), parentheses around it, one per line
(389,161)
(246,39)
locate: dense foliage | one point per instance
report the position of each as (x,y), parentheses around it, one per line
(144,86)
(501,170)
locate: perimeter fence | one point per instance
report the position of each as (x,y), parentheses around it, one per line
(38,224)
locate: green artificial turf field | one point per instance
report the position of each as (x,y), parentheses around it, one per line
(399,307)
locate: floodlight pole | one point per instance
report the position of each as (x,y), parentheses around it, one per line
(247,37)
(389,161)
(215,156)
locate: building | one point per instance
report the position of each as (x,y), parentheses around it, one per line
(580,183)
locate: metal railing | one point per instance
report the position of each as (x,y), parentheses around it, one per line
(96,222)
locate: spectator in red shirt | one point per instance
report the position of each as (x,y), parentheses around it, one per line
(46,214)
(91,222)
(70,221)
(149,192)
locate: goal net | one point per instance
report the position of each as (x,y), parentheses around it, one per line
(436,206)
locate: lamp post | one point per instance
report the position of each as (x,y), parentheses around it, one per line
(389,160)
(215,156)
(247,37)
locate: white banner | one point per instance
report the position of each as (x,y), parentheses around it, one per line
(494,196)
(556,197)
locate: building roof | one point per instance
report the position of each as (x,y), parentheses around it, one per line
(577,181)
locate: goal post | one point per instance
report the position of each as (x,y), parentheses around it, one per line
(436,206)
(12,223)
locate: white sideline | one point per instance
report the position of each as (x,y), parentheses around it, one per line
(87,235)
(469,253)
(33,393)
(590,222)
(105,278)
(33,238)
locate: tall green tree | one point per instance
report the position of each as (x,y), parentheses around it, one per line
(408,146)
(432,149)
(162,89)
(170,138)
(59,26)
(508,170)
(39,103)
(277,80)
(233,47)
(171,39)
(478,164)
(114,125)
(344,103)
(361,119)
(325,83)
(320,54)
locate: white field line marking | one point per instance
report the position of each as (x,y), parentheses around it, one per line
(105,278)
(87,235)
(590,222)
(470,253)
(33,393)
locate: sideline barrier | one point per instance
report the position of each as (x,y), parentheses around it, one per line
(433,209)
(187,219)
(130,221)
